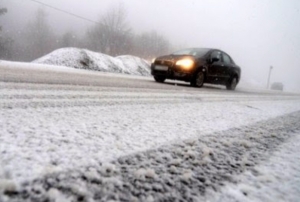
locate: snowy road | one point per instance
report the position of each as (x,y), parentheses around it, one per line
(54,121)
(47,74)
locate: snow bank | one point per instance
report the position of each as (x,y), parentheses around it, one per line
(135,64)
(85,59)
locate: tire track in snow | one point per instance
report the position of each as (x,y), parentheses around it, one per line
(184,171)
(175,89)
(120,95)
(22,97)
(114,127)
(61,103)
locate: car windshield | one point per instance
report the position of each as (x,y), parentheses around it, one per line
(199,52)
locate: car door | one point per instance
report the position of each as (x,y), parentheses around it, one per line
(215,66)
(225,69)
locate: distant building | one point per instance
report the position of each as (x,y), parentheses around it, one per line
(277,86)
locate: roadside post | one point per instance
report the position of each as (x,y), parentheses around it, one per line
(270,70)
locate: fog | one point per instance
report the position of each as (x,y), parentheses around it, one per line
(257,33)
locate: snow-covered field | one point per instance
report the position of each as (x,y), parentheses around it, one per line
(124,138)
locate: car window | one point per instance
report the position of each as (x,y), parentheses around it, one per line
(226,59)
(192,51)
(216,54)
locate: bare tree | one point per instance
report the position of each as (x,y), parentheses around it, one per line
(69,39)
(40,39)
(150,44)
(112,35)
(2,12)
(5,42)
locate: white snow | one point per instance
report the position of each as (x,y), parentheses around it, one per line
(276,179)
(142,173)
(53,130)
(7,185)
(56,196)
(85,59)
(135,64)
(187,176)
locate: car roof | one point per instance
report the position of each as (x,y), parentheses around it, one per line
(209,49)
(197,49)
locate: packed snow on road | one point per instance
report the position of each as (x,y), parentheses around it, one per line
(76,135)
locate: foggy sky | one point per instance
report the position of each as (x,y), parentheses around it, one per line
(256,33)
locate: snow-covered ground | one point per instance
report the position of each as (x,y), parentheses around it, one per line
(132,137)
(46,127)
(276,179)
(85,59)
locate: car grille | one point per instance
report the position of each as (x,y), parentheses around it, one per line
(168,63)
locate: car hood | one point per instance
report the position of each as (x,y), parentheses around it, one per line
(174,57)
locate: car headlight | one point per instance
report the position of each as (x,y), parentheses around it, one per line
(185,63)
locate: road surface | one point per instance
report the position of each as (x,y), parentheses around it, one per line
(75,135)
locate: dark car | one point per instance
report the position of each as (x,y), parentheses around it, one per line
(197,66)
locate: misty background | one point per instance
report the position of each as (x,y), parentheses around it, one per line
(257,33)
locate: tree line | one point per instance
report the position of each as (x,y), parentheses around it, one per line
(112,35)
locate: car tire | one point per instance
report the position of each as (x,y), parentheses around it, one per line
(159,79)
(231,85)
(198,80)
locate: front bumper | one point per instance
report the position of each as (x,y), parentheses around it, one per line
(172,73)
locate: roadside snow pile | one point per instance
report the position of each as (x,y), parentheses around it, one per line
(85,59)
(128,60)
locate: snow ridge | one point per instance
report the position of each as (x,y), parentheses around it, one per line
(85,59)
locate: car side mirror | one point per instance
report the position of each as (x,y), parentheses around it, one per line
(214,60)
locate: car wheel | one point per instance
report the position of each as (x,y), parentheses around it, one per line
(198,81)
(232,84)
(159,79)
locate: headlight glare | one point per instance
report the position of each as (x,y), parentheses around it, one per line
(185,63)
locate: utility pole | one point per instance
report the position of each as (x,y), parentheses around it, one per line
(270,70)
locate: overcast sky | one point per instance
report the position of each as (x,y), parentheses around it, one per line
(256,33)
